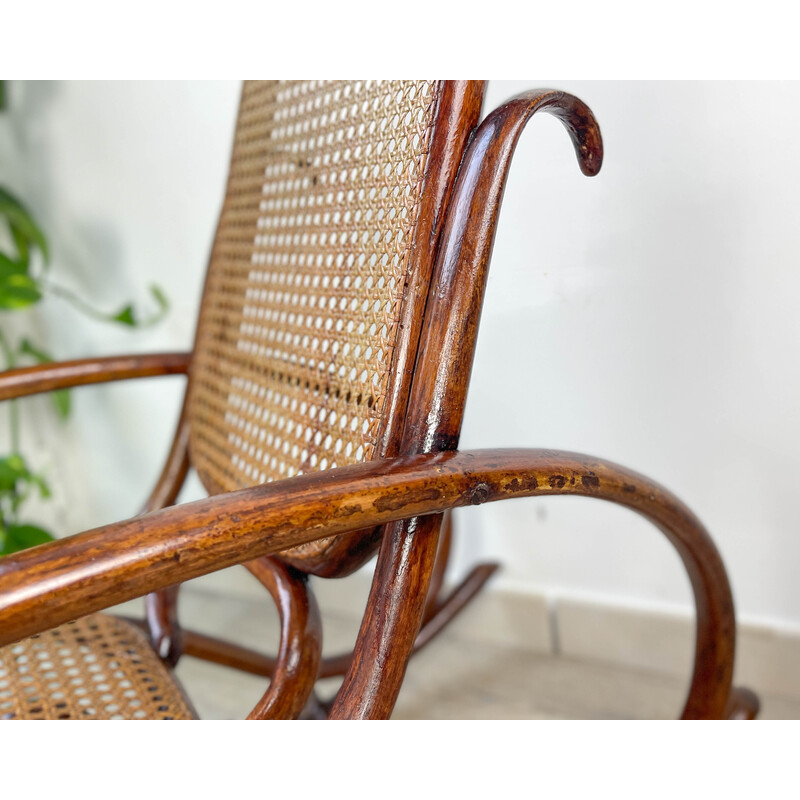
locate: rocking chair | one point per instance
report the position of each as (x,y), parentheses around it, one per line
(326,389)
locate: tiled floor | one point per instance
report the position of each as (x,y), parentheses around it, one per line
(451,679)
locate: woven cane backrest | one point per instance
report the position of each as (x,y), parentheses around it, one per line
(305,289)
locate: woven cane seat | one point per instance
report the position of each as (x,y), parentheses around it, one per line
(98,667)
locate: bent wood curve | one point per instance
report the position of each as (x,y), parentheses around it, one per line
(59,581)
(81,372)
(228,654)
(300,648)
(161,611)
(447,346)
(456,117)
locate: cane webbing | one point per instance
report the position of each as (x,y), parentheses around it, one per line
(98,667)
(303,296)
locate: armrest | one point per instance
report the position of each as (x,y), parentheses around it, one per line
(63,580)
(454,306)
(64,374)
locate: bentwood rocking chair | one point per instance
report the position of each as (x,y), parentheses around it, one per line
(326,389)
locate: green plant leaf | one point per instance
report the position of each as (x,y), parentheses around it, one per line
(21,537)
(160,297)
(23,250)
(18,291)
(12,469)
(60,398)
(19,219)
(129,316)
(16,478)
(62,402)
(41,485)
(125,317)
(27,347)
(10,267)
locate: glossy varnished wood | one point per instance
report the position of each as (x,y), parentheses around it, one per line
(396,501)
(396,604)
(300,648)
(66,374)
(456,117)
(43,587)
(228,654)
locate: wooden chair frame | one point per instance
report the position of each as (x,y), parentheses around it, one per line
(404,495)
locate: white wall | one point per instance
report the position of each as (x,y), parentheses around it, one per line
(647,315)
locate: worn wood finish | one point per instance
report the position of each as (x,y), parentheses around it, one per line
(433,423)
(108,565)
(402,495)
(443,611)
(457,115)
(81,372)
(300,646)
(59,581)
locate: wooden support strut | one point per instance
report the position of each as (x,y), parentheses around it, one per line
(54,583)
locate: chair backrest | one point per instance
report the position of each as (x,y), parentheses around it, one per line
(318,279)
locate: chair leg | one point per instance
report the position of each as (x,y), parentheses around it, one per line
(406,566)
(300,648)
(440,610)
(742,704)
(446,608)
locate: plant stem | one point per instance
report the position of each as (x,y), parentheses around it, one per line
(75,300)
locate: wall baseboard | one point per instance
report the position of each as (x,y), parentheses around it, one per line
(767,661)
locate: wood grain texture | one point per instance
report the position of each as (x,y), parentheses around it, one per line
(395,501)
(81,372)
(455,119)
(433,423)
(300,648)
(63,580)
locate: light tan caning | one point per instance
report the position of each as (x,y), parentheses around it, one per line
(303,296)
(98,667)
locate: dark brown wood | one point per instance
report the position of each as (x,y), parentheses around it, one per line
(433,422)
(449,607)
(53,583)
(457,115)
(400,499)
(67,374)
(82,372)
(300,645)
(439,568)
(742,704)
(228,654)
(296,668)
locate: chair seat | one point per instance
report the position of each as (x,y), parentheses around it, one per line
(98,667)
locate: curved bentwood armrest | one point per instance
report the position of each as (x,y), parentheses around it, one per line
(56,582)
(66,374)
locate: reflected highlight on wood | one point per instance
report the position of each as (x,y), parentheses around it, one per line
(438,395)
(66,374)
(329,523)
(40,588)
